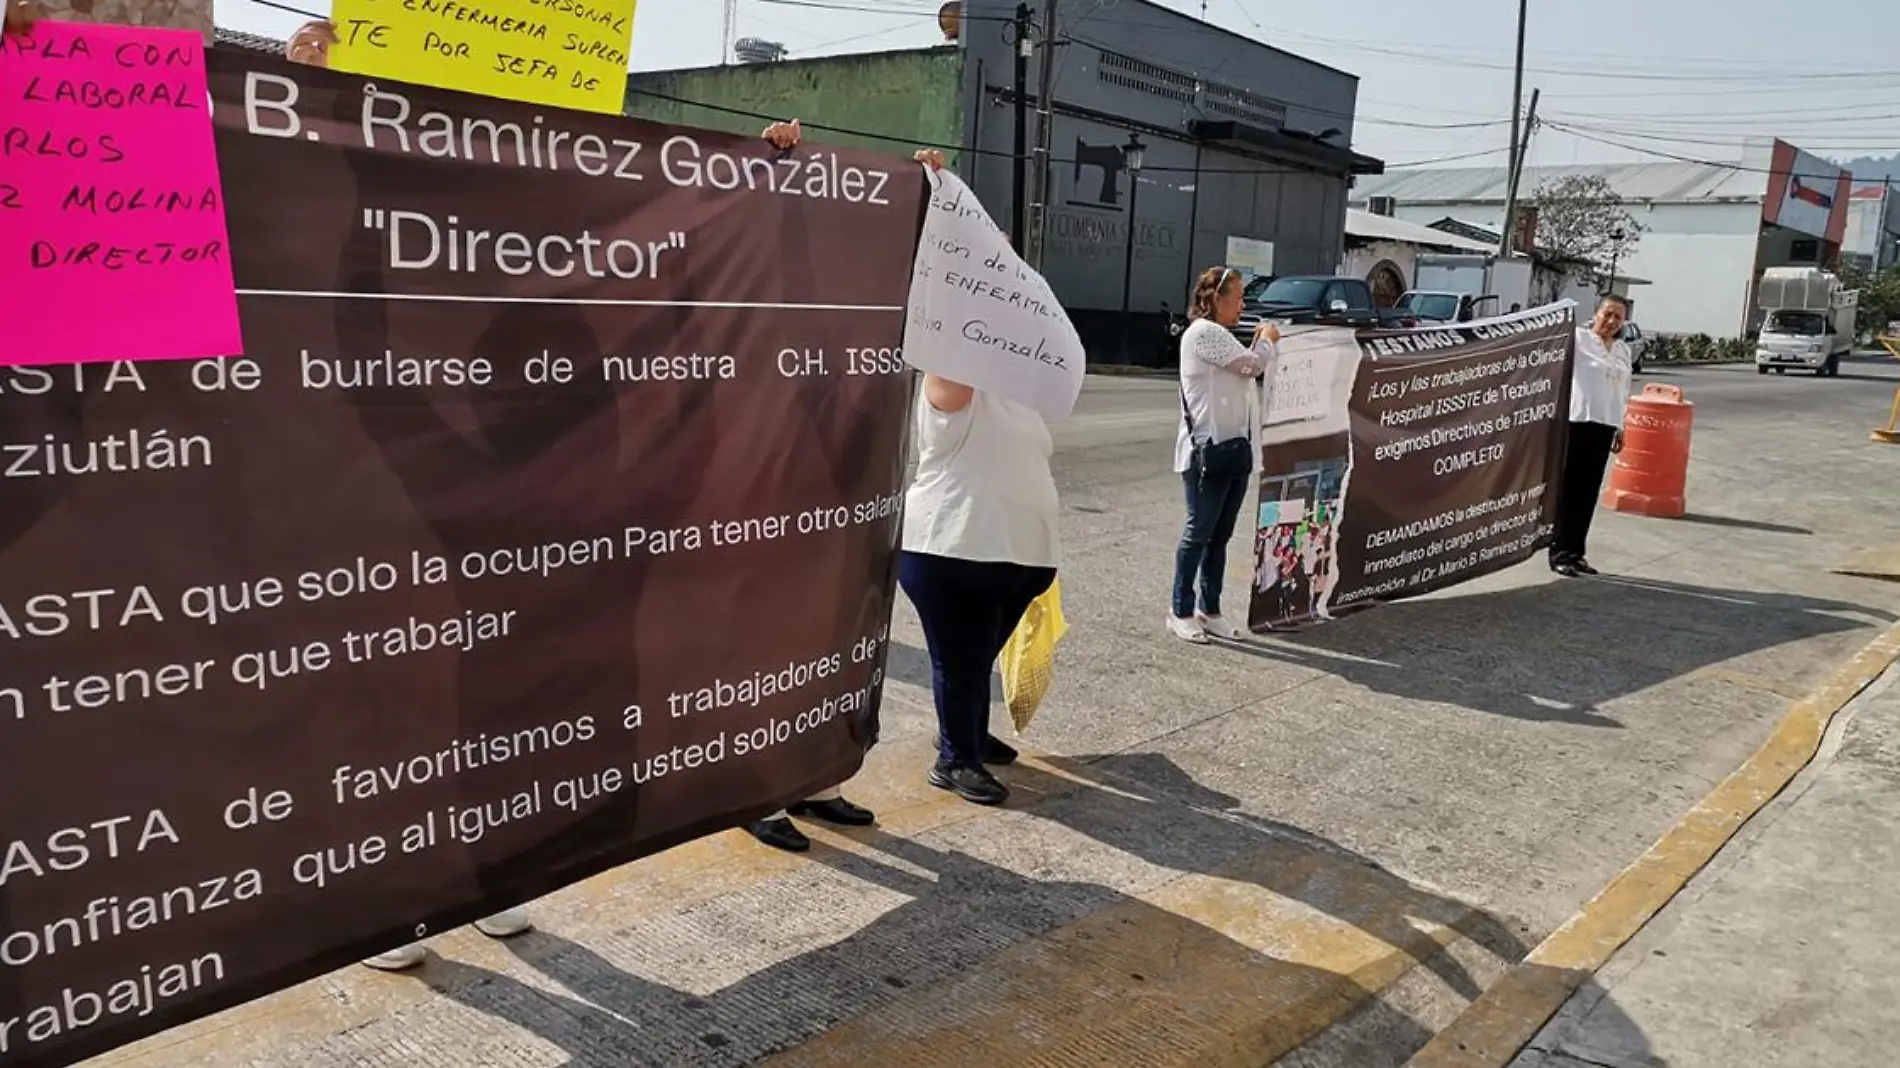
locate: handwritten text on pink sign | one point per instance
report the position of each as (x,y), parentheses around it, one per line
(112,237)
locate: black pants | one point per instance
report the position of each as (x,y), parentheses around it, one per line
(1584,462)
(968,609)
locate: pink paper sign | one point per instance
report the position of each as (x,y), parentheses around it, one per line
(112,238)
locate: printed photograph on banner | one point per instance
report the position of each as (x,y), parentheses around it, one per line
(571,54)
(1397,463)
(981,316)
(110,198)
(401,618)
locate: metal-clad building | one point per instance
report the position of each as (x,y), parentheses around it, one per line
(1242,140)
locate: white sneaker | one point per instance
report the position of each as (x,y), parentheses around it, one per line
(1188,630)
(1220,628)
(506,924)
(400,959)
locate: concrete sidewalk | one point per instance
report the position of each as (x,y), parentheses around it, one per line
(1319,848)
(1782,952)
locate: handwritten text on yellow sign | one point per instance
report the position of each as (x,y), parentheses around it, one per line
(563,53)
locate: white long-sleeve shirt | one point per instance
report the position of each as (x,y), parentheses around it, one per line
(1599,381)
(1220,402)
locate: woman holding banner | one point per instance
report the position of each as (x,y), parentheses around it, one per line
(310,46)
(980,544)
(1599,394)
(1213,449)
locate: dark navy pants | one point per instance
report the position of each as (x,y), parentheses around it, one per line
(1213,506)
(968,609)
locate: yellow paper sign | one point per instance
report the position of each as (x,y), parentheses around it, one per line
(563,53)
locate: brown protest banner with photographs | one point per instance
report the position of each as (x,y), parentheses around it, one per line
(548,520)
(1394,464)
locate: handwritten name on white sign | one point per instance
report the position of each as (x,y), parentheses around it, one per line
(1299,381)
(980,316)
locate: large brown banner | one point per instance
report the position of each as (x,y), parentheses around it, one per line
(1394,464)
(548,520)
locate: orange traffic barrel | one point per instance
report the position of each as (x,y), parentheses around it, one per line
(1652,471)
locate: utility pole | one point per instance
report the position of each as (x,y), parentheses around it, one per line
(1019,157)
(1517,109)
(728,30)
(1520,151)
(1886,239)
(1045,131)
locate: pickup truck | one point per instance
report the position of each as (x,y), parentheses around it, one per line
(1322,299)
(1446,307)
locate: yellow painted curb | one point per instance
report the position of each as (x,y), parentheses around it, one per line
(1494,1028)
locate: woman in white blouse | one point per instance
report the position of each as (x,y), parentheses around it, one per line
(1213,449)
(1599,394)
(979,544)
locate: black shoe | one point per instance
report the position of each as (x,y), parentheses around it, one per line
(1567,569)
(998,752)
(779,834)
(836,810)
(1583,567)
(974,785)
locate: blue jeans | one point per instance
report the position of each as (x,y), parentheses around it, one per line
(968,609)
(1213,505)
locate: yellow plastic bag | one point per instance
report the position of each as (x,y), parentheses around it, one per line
(1028,661)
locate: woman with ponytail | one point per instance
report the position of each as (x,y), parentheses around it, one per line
(1213,449)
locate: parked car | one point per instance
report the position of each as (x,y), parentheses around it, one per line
(1305,299)
(1638,345)
(1432,306)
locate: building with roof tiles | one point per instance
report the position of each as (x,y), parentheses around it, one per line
(1712,227)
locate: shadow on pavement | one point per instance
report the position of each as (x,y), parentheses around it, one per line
(955,912)
(1591,1031)
(1555,651)
(1121,814)
(1740,524)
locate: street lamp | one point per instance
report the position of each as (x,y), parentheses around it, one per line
(1616,250)
(1132,155)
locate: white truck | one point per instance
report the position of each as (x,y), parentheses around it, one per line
(1807,321)
(1458,288)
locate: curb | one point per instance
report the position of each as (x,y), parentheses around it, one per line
(1504,1019)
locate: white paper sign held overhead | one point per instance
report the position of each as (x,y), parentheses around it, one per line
(979,315)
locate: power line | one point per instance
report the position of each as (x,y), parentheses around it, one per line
(1678,139)
(1717,123)
(913,142)
(1582,129)
(1469,59)
(1692,117)
(1739,168)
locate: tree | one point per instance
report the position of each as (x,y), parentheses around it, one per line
(1879,297)
(1580,217)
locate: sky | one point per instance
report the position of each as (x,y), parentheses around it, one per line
(1622,80)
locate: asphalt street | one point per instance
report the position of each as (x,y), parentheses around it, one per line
(1317,848)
